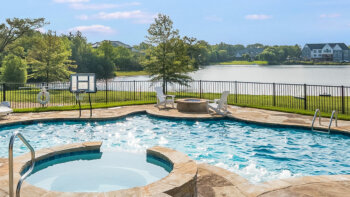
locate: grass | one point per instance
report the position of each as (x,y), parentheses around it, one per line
(244,63)
(84,106)
(25,101)
(130,73)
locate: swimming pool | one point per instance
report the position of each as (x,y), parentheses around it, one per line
(256,152)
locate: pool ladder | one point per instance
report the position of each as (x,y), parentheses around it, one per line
(23,177)
(334,116)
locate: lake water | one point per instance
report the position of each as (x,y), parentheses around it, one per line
(300,74)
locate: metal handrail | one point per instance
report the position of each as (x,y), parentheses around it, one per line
(23,177)
(313,120)
(334,112)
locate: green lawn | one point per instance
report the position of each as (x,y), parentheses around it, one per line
(130,73)
(244,63)
(25,101)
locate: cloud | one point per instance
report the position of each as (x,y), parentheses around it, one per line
(334,15)
(83,17)
(41,30)
(257,17)
(70,1)
(100,29)
(82,6)
(213,18)
(137,16)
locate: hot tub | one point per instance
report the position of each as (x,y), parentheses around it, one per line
(98,171)
(193,105)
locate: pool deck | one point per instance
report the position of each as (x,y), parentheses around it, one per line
(211,180)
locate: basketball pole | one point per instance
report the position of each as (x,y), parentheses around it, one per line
(90,105)
(79,105)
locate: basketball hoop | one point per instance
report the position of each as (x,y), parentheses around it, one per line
(80,84)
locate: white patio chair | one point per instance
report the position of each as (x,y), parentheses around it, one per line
(163,99)
(220,105)
(5,108)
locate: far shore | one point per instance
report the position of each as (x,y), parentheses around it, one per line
(283,63)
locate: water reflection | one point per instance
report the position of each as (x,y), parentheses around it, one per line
(300,74)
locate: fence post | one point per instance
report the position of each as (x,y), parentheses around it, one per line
(106,91)
(236,92)
(305,97)
(342,100)
(3,92)
(274,94)
(200,88)
(134,90)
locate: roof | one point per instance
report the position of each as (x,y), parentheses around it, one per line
(114,43)
(320,46)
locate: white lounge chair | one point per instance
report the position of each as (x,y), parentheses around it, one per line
(220,105)
(163,99)
(5,109)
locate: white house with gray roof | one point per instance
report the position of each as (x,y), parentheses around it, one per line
(336,52)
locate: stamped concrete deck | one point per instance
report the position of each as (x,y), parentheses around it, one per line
(214,181)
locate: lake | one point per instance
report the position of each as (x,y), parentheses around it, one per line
(299,74)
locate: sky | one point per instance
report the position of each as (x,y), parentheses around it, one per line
(270,22)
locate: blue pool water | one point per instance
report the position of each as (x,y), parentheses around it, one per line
(97,172)
(256,152)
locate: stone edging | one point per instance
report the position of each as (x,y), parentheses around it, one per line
(243,188)
(181,181)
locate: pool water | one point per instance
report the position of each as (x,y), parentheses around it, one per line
(258,153)
(97,172)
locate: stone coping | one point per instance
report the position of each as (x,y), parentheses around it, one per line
(180,181)
(217,181)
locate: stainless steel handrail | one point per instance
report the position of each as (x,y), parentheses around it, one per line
(313,120)
(23,177)
(334,112)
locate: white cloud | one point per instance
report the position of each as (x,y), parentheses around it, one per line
(82,6)
(41,30)
(101,29)
(70,1)
(213,18)
(334,15)
(83,17)
(137,16)
(258,17)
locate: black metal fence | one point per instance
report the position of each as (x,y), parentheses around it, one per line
(289,96)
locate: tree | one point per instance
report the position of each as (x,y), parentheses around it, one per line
(246,57)
(49,58)
(123,58)
(81,52)
(14,69)
(167,60)
(105,67)
(17,28)
(255,46)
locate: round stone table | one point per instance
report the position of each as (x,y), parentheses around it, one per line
(192,105)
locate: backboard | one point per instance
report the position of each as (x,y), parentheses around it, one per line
(83,82)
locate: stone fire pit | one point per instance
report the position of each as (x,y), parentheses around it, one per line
(192,105)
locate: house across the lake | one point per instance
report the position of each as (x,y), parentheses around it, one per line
(252,52)
(115,44)
(336,52)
